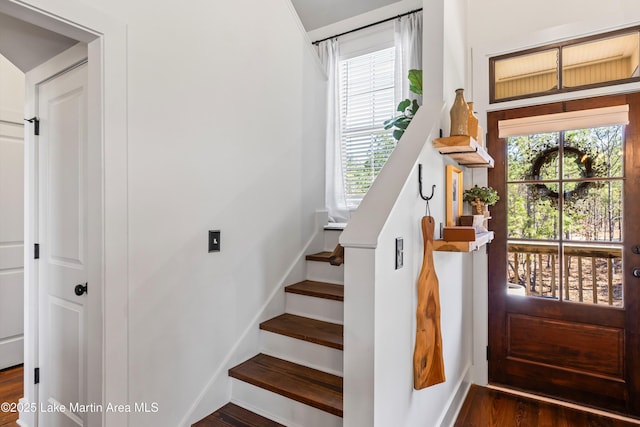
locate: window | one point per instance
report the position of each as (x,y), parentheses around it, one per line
(602,60)
(564,206)
(366,101)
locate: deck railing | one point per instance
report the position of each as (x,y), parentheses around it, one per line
(592,274)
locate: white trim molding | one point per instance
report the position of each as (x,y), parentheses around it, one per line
(106,39)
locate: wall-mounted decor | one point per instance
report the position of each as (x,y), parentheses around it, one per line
(454,195)
(428,358)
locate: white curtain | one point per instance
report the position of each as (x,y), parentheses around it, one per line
(329,52)
(408,42)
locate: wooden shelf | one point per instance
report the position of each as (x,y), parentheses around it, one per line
(464,150)
(481,240)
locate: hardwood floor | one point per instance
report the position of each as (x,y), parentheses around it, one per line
(484,407)
(231,415)
(10,391)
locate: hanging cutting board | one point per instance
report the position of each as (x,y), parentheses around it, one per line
(428,363)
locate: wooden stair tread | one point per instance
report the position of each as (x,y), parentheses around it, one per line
(231,415)
(307,329)
(320,256)
(317,289)
(303,384)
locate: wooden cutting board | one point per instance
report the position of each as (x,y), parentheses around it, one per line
(428,363)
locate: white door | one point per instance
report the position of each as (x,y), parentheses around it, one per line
(63,221)
(11,244)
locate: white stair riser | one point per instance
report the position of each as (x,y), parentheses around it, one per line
(315,308)
(279,408)
(325,272)
(331,239)
(302,352)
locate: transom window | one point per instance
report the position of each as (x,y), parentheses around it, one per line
(602,60)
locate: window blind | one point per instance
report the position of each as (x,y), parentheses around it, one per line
(366,101)
(596,117)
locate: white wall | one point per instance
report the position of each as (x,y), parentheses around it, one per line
(370,17)
(380,301)
(501,26)
(11,91)
(396,402)
(503,20)
(225,132)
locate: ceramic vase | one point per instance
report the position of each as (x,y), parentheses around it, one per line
(472,122)
(459,115)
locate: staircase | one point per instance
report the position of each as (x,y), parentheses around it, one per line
(296,379)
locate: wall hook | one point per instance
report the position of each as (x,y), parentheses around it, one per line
(433,187)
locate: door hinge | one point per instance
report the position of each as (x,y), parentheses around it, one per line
(36,124)
(36,251)
(36,376)
(487,352)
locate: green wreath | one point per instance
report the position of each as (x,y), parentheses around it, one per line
(581,190)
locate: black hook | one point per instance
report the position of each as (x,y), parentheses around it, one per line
(433,187)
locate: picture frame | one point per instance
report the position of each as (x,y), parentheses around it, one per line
(454,193)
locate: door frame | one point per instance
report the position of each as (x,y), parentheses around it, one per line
(617,398)
(107,117)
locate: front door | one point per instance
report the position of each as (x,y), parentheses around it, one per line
(63,221)
(564,304)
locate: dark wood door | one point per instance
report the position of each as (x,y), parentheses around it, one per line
(563,301)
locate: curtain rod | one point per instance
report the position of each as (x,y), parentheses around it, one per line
(367,26)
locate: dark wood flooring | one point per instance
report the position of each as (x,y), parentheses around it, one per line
(11,390)
(231,415)
(485,407)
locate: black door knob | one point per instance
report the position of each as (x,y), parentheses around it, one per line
(636,249)
(636,272)
(82,289)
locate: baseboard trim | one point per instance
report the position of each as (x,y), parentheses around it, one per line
(563,403)
(454,404)
(253,326)
(26,419)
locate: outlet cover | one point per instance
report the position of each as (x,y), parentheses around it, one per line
(214,240)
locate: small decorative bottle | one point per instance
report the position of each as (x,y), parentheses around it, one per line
(459,115)
(472,122)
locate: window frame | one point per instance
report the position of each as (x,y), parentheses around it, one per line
(559,46)
(350,199)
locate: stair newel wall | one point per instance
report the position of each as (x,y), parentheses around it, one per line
(380,300)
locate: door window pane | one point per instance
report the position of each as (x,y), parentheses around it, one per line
(533,269)
(564,215)
(594,153)
(526,157)
(532,214)
(593,211)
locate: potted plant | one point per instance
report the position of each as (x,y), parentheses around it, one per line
(407,108)
(480,197)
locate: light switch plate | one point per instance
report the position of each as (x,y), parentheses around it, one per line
(399,253)
(214,240)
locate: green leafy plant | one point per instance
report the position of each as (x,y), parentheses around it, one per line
(479,197)
(407,108)
(486,195)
